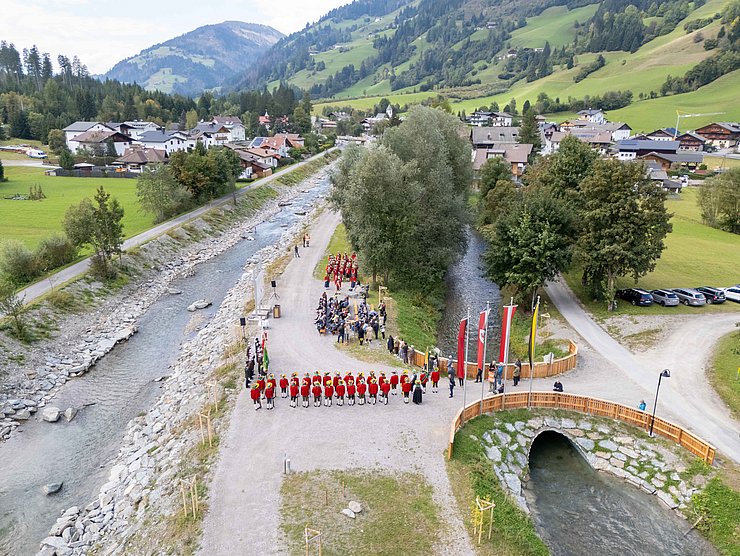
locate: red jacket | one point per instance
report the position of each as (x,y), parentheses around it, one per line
(351,389)
(435,376)
(293,390)
(385,388)
(404,378)
(261,384)
(328,391)
(373,388)
(255,394)
(270,383)
(283,383)
(423,378)
(348,377)
(316,390)
(340,390)
(394,380)
(382,380)
(406,387)
(326,380)
(361,388)
(306,380)
(335,380)
(269,393)
(305,390)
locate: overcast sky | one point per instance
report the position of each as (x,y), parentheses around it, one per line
(103,32)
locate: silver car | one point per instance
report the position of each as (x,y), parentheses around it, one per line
(666,298)
(688,296)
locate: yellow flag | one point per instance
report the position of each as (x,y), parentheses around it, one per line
(533,332)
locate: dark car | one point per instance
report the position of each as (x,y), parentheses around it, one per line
(636,296)
(713,295)
(666,298)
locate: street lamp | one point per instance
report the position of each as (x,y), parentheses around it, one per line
(665,373)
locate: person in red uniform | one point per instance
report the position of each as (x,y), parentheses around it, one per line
(270,394)
(351,389)
(336,379)
(394,382)
(381,378)
(271,382)
(326,380)
(435,379)
(385,389)
(260,385)
(283,386)
(347,378)
(316,391)
(305,393)
(255,393)
(361,389)
(340,390)
(294,393)
(328,393)
(373,389)
(423,380)
(406,390)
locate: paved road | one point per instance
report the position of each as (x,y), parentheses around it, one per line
(244,505)
(43,287)
(686,397)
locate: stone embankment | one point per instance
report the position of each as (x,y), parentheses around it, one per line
(84,341)
(144,477)
(653,465)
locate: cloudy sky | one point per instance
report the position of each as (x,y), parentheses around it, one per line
(103,32)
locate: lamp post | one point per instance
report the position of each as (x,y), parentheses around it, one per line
(665,373)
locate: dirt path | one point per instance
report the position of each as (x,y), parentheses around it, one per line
(244,514)
(686,397)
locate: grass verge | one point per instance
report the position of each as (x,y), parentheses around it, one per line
(718,505)
(724,372)
(398,515)
(471,475)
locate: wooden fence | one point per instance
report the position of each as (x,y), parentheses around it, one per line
(541,369)
(589,406)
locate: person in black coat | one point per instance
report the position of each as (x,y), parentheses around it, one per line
(389,343)
(417,392)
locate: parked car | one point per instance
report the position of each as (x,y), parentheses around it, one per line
(713,295)
(666,298)
(687,296)
(732,293)
(636,296)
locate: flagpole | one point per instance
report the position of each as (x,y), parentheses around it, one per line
(532,341)
(509,318)
(465,361)
(485,349)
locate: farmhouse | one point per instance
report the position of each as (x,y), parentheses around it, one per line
(515,154)
(691,141)
(72,131)
(487,137)
(632,148)
(98,142)
(168,141)
(137,157)
(722,135)
(137,128)
(595,116)
(234,127)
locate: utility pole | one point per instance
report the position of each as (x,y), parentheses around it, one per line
(465,362)
(485,350)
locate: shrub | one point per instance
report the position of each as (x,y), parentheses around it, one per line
(54,251)
(17,261)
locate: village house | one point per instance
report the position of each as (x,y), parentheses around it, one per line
(691,141)
(722,135)
(280,143)
(168,141)
(482,118)
(667,160)
(234,127)
(513,153)
(136,128)
(595,116)
(630,149)
(72,131)
(252,165)
(487,137)
(659,177)
(265,121)
(210,134)
(136,158)
(599,141)
(665,134)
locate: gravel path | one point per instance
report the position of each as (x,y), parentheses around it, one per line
(244,514)
(686,397)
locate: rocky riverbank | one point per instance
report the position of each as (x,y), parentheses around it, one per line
(32,374)
(143,485)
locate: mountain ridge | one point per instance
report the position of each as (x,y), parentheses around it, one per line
(198,60)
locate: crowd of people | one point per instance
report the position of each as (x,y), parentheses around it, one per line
(332,314)
(339,268)
(327,390)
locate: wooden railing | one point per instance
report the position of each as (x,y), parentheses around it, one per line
(589,406)
(541,370)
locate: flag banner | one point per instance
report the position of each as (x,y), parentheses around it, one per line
(461,348)
(265,359)
(509,311)
(533,334)
(482,325)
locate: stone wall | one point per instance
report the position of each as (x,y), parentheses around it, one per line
(654,465)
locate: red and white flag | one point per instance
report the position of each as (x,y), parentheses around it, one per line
(482,326)
(509,311)
(461,337)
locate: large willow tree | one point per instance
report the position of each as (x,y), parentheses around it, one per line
(403,200)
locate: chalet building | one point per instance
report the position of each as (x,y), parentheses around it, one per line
(722,135)
(515,154)
(487,137)
(168,141)
(630,149)
(234,127)
(136,128)
(97,141)
(72,131)
(691,141)
(137,157)
(593,115)
(667,134)
(481,118)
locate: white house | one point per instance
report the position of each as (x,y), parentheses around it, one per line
(97,141)
(210,134)
(234,126)
(168,141)
(593,115)
(137,128)
(78,128)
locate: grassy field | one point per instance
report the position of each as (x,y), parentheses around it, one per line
(695,255)
(471,474)
(724,373)
(393,506)
(30,221)
(554,25)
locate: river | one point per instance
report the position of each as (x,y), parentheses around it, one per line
(579,511)
(121,386)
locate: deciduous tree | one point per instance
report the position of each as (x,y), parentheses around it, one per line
(160,194)
(719,200)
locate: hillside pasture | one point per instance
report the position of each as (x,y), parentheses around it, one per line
(554,25)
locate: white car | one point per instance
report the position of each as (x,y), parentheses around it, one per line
(732,293)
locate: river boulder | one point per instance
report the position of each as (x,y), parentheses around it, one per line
(52,488)
(199,304)
(51,414)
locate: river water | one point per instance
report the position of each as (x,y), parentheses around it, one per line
(579,511)
(121,386)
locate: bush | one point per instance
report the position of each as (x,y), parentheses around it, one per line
(54,251)
(17,262)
